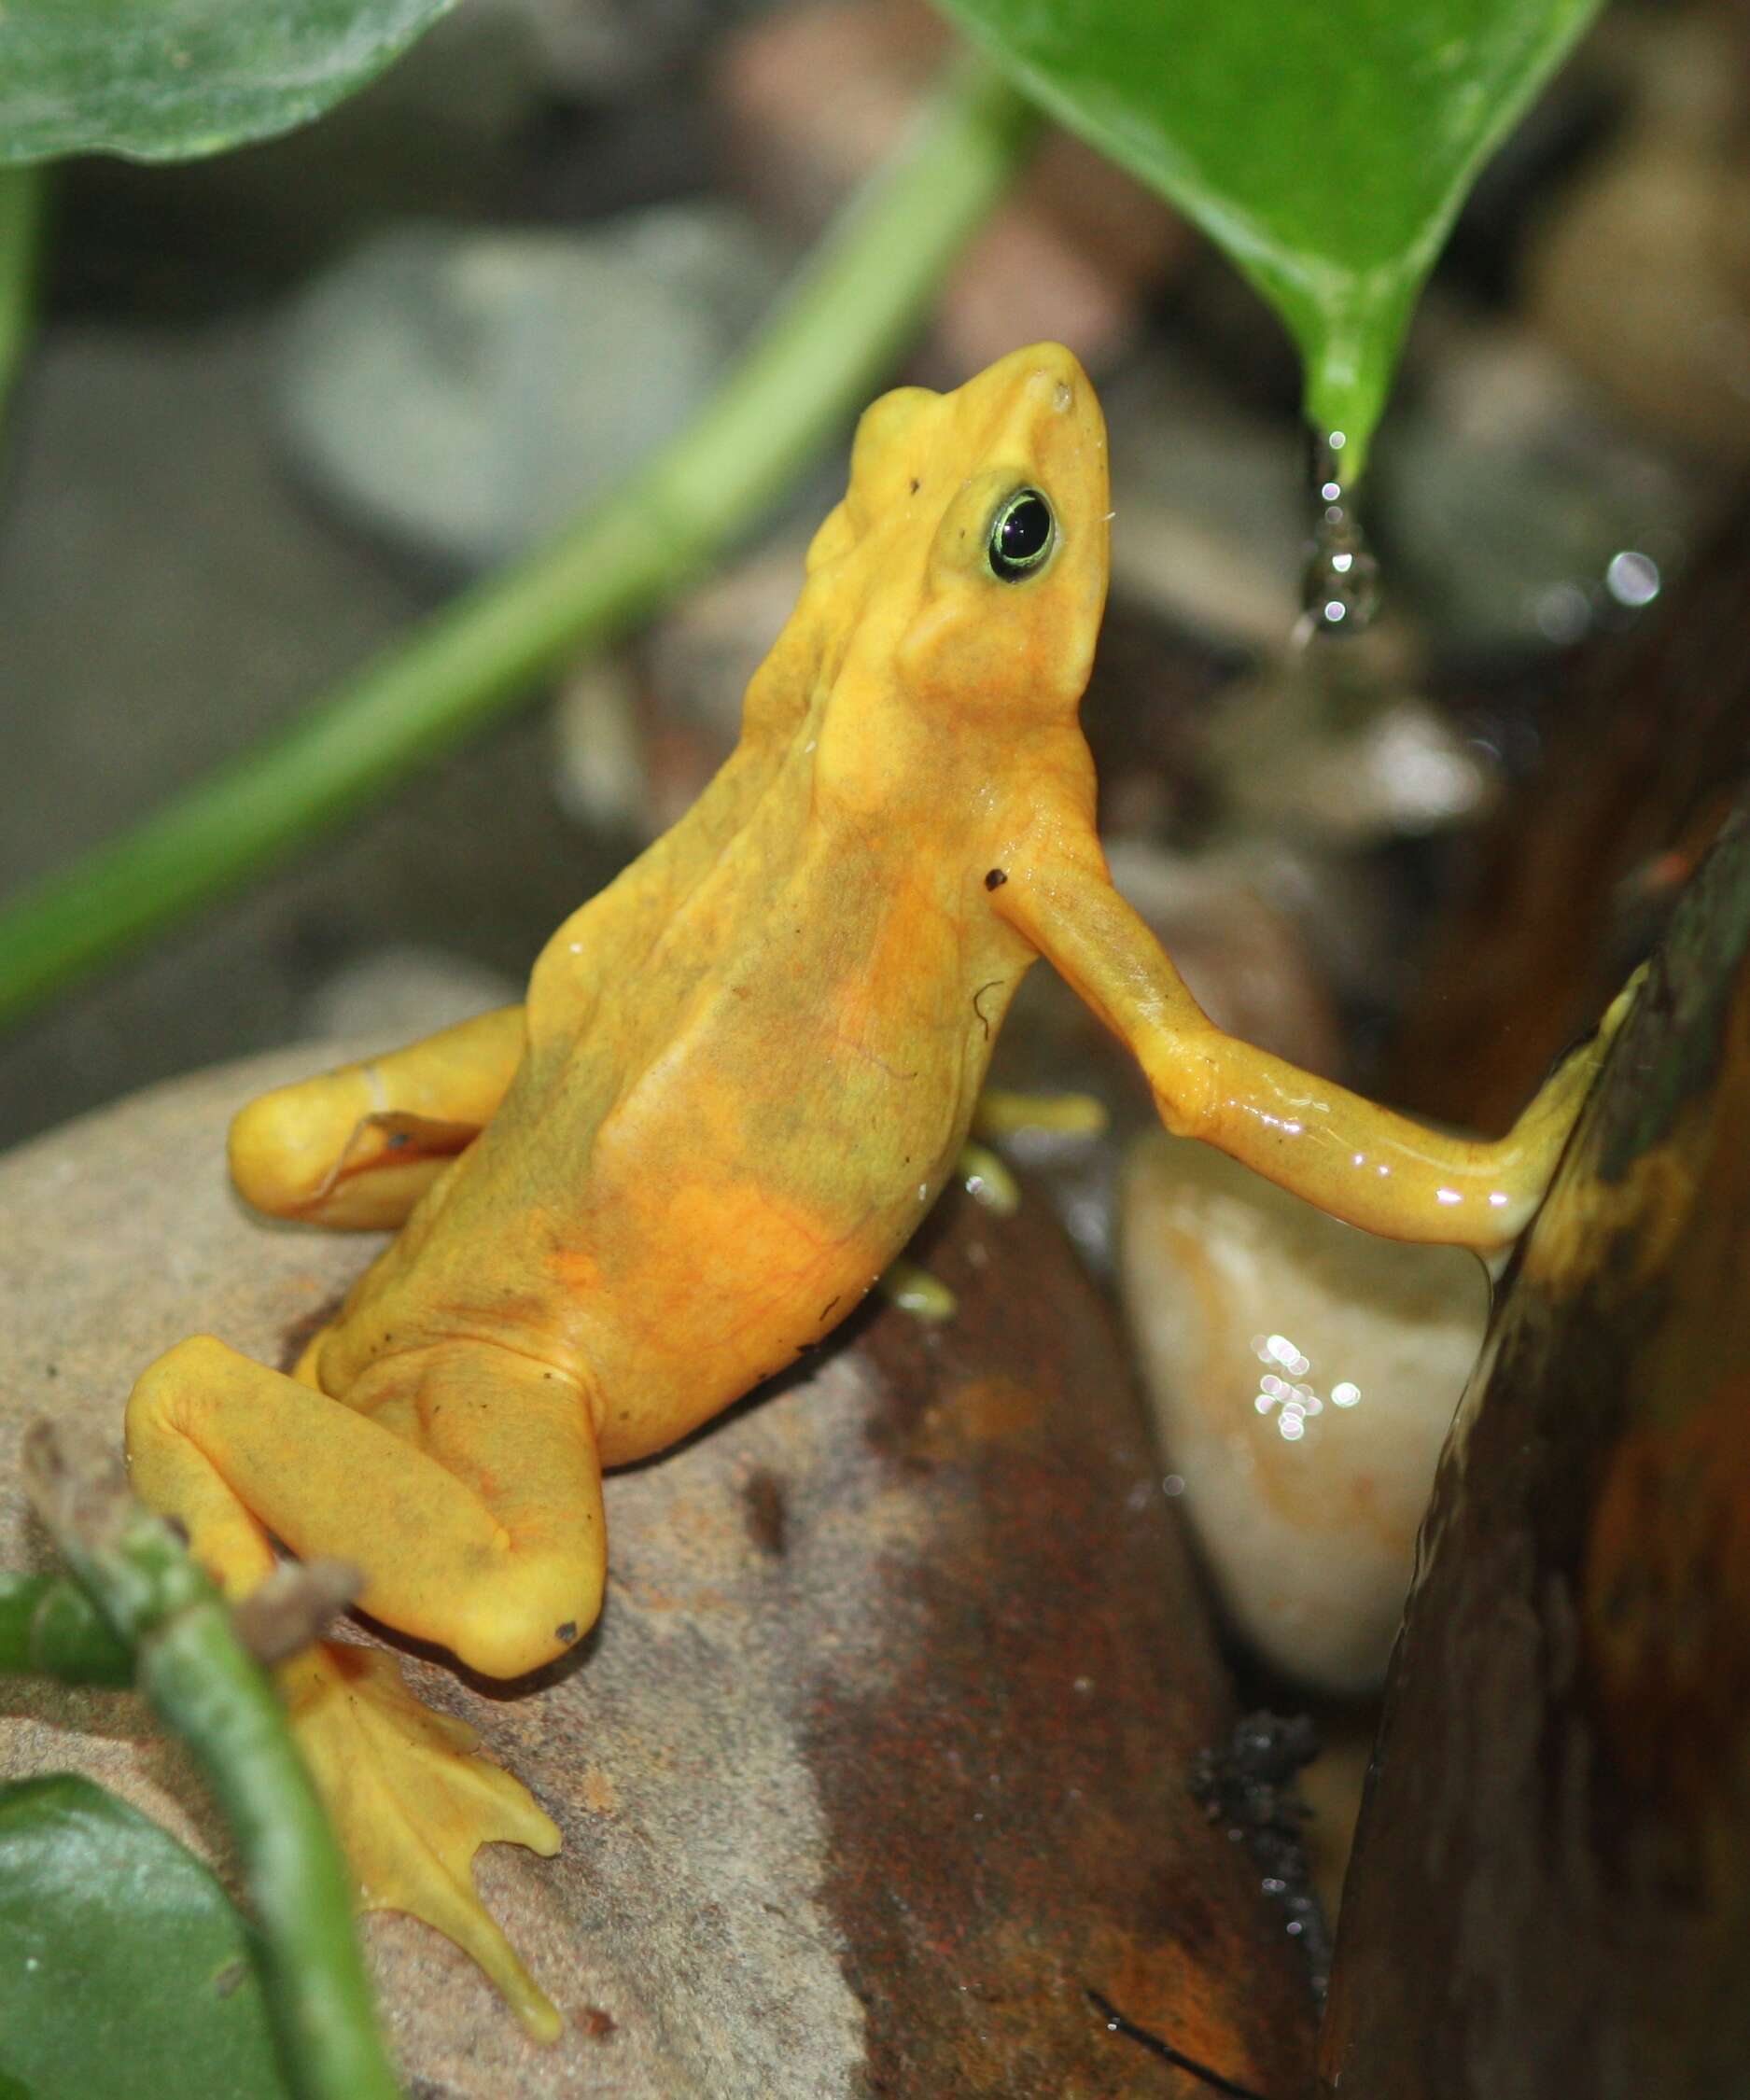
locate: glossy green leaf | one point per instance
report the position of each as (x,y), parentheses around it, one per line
(169,80)
(124,1969)
(1326,149)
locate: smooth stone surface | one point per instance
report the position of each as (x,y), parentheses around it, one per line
(465,392)
(140,470)
(1303,1376)
(398,994)
(879,1758)
(599,749)
(602,48)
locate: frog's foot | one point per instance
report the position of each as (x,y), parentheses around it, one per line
(913,1290)
(1535,1142)
(987,1180)
(412,1801)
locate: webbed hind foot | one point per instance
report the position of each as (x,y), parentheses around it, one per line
(411,1800)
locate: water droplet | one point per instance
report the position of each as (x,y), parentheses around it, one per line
(1341,585)
(1632,578)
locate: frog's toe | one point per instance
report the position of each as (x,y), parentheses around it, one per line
(913,1290)
(413,1801)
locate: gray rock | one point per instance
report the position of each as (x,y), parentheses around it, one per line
(464,392)
(601,755)
(878,1762)
(164,602)
(396,995)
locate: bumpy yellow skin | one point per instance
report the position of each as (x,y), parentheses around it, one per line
(742,1074)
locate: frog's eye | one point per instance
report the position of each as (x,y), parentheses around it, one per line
(1022,535)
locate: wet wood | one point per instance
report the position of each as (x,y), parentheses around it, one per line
(1644,742)
(1551,1881)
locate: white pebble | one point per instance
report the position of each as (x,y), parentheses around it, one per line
(1303,1376)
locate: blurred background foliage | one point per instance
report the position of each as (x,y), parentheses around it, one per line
(430,335)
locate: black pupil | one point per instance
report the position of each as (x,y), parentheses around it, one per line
(1021,535)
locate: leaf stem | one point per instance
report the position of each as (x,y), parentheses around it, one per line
(832,338)
(22,191)
(200,1680)
(50,1627)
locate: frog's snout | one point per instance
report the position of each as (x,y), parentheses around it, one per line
(1051,388)
(1060,424)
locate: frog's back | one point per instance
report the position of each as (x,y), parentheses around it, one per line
(752,1057)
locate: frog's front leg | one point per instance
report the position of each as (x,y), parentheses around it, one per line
(360,1146)
(1353,1158)
(478,1520)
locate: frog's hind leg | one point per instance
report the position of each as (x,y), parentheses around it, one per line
(411,1800)
(478,1526)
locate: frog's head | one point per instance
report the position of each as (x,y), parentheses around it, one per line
(966,567)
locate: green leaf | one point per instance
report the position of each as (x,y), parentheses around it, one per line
(171,80)
(1326,149)
(124,1969)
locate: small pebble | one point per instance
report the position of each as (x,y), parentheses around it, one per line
(1303,1376)
(464,391)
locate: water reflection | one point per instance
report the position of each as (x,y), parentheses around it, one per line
(1292,1400)
(1341,585)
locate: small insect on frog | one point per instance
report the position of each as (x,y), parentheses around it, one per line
(741,1075)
